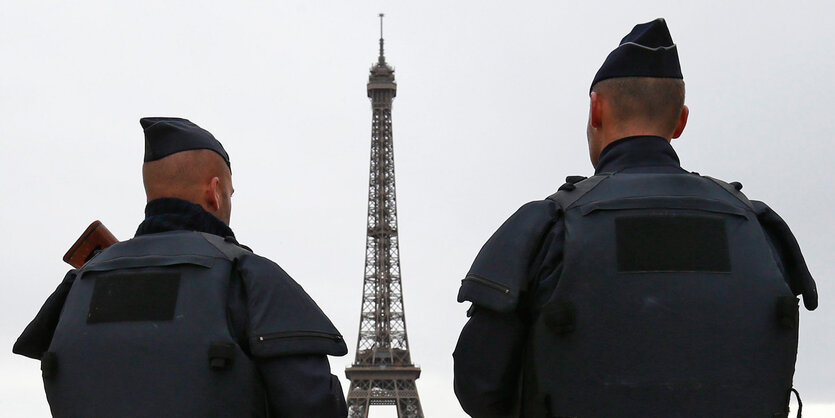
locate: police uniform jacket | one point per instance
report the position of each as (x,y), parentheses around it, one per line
(279,338)
(518,269)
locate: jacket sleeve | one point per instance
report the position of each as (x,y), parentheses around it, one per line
(37,336)
(283,319)
(787,255)
(289,339)
(302,386)
(488,356)
(488,363)
(502,271)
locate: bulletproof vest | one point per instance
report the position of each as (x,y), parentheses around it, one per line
(144,332)
(670,303)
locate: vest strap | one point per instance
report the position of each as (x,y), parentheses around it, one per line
(560,317)
(228,246)
(787,311)
(570,192)
(221,354)
(799,403)
(734,189)
(785,414)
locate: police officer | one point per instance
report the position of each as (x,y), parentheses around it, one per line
(182,320)
(644,290)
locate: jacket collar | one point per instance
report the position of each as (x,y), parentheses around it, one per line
(638,151)
(171,214)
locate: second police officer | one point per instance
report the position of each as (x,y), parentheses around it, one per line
(644,290)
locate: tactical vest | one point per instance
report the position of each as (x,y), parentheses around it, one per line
(144,332)
(670,304)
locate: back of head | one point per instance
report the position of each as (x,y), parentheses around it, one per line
(638,91)
(654,103)
(185,161)
(183,175)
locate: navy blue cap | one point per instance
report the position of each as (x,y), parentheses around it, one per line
(647,51)
(166,136)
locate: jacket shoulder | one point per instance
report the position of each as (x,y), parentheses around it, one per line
(36,338)
(283,318)
(501,270)
(787,254)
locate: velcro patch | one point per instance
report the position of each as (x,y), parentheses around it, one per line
(134,296)
(672,243)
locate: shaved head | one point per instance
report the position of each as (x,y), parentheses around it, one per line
(631,106)
(198,176)
(651,102)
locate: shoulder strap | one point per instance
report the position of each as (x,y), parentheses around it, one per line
(734,189)
(574,188)
(228,246)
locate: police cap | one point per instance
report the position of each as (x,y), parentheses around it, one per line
(647,51)
(166,136)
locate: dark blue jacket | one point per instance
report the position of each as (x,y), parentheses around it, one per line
(263,301)
(517,270)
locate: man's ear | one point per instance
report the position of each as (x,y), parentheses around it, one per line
(213,194)
(595,110)
(682,121)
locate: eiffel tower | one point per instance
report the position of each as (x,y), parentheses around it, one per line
(383,372)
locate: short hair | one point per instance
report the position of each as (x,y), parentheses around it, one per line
(181,174)
(654,101)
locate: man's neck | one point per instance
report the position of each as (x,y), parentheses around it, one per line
(638,151)
(627,131)
(172,214)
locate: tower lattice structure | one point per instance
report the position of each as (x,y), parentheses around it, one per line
(383,372)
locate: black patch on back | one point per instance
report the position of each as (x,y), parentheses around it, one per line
(134,296)
(672,243)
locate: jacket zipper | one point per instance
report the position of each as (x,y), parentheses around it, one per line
(487,282)
(300,334)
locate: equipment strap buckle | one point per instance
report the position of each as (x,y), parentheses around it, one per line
(221,354)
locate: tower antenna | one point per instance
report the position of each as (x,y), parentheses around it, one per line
(382,58)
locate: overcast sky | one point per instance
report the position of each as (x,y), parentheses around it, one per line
(490,113)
